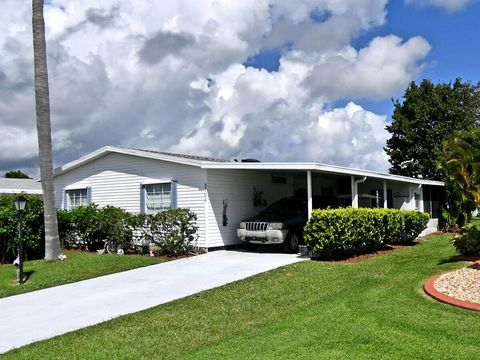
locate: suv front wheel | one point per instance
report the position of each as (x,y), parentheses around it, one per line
(291,243)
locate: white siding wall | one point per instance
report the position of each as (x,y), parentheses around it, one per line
(115,180)
(236,186)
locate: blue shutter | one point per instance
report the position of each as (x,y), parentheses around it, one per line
(89,195)
(142,199)
(174,193)
(65,200)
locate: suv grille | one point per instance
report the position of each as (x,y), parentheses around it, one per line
(256,226)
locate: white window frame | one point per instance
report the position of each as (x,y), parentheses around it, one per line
(67,202)
(143,194)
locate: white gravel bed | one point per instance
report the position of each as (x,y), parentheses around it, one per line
(463,284)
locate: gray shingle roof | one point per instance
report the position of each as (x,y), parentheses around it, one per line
(8,185)
(184,156)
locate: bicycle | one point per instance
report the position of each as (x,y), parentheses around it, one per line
(112,247)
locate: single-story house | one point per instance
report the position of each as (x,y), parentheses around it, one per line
(222,192)
(18,186)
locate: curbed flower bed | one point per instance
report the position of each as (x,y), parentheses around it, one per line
(334,233)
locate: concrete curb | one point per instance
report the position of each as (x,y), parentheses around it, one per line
(429,288)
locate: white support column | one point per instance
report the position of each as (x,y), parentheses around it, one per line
(354,193)
(422,205)
(309,193)
(385,203)
(412,198)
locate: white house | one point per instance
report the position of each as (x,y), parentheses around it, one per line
(222,193)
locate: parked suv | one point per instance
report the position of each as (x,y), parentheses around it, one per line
(280,223)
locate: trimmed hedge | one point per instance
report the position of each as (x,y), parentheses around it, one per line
(343,232)
(33,230)
(468,242)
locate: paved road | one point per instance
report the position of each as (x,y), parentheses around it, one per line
(50,312)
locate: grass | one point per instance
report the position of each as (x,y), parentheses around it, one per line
(374,309)
(78,266)
(475,220)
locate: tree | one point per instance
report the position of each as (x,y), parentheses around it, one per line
(16,174)
(460,162)
(428,115)
(42,102)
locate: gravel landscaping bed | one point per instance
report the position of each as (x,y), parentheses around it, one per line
(463,284)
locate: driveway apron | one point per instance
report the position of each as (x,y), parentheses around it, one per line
(43,314)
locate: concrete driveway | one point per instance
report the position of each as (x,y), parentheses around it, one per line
(50,312)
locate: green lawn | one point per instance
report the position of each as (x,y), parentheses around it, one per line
(77,266)
(374,309)
(475,221)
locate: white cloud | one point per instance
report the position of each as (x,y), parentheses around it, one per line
(270,117)
(380,70)
(169,75)
(449,5)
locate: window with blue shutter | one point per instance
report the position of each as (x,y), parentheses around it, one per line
(158,197)
(77,197)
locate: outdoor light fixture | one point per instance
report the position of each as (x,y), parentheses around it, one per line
(20,203)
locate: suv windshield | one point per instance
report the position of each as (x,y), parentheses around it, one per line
(286,206)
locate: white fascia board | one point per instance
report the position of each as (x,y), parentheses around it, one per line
(331,169)
(259,166)
(113,149)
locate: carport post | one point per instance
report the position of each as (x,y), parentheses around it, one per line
(309,193)
(385,204)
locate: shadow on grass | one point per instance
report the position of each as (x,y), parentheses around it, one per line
(27,274)
(458,258)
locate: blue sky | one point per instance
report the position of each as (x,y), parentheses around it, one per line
(454,38)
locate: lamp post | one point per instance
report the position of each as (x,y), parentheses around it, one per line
(20,203)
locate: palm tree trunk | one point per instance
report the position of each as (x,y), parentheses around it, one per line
(42,102)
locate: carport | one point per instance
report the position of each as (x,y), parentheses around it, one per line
(362,188)
(322,185)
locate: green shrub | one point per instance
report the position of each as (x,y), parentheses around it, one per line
(33,228)
(415,222)
(343,232)
(88,226)
(468,242)
(81,227)
(173,231)
(116,225)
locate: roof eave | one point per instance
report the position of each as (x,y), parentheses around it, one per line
(319,168)
(113,149)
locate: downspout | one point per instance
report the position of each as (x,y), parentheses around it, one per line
(205,212)
(355,190)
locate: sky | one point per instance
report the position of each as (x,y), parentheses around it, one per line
(275,80)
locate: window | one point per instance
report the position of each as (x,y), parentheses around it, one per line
(158,197)
(76,197)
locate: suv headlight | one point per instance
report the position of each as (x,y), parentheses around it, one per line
(275,226)
(243,225)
